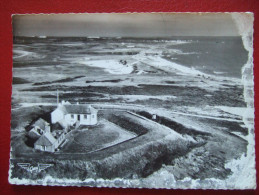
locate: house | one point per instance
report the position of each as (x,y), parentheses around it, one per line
(40,125)
(38,128)
(47,142)
(67,114)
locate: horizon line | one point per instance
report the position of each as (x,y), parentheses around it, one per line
(118,37)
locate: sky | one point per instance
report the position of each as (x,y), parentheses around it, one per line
(125,25)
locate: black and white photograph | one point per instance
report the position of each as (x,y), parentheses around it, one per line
(133,100)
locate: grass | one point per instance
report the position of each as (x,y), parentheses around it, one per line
(229,126)
(104,81)
(22,117)
(69,79)
(135,162)
(226,97)
(103,135)
(17,80)
(149,150)
(134,158)
(180,128)
(149,158)
(121,119)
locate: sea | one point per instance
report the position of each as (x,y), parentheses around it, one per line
(224,56)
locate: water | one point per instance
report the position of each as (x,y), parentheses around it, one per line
(222,56)
(215,55)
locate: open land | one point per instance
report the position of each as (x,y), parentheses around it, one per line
(194,135)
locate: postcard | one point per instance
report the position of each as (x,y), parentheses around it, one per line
(133,100)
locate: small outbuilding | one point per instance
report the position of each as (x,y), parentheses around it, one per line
(39,124)
(38,128)
(45,143)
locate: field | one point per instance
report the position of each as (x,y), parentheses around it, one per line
(198,128)
(96,138)
(121,138)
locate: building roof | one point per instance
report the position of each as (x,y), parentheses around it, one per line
(46,139)
(40,123)
(57,134)
(80,109)
(33,134)
(77,109)
(57,126)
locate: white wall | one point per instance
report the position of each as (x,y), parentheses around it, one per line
(48,148)
(56,116)
(90,120)
(70,120)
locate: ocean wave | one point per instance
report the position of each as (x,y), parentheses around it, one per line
(174,42)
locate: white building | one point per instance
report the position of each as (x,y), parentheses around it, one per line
(69,114)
